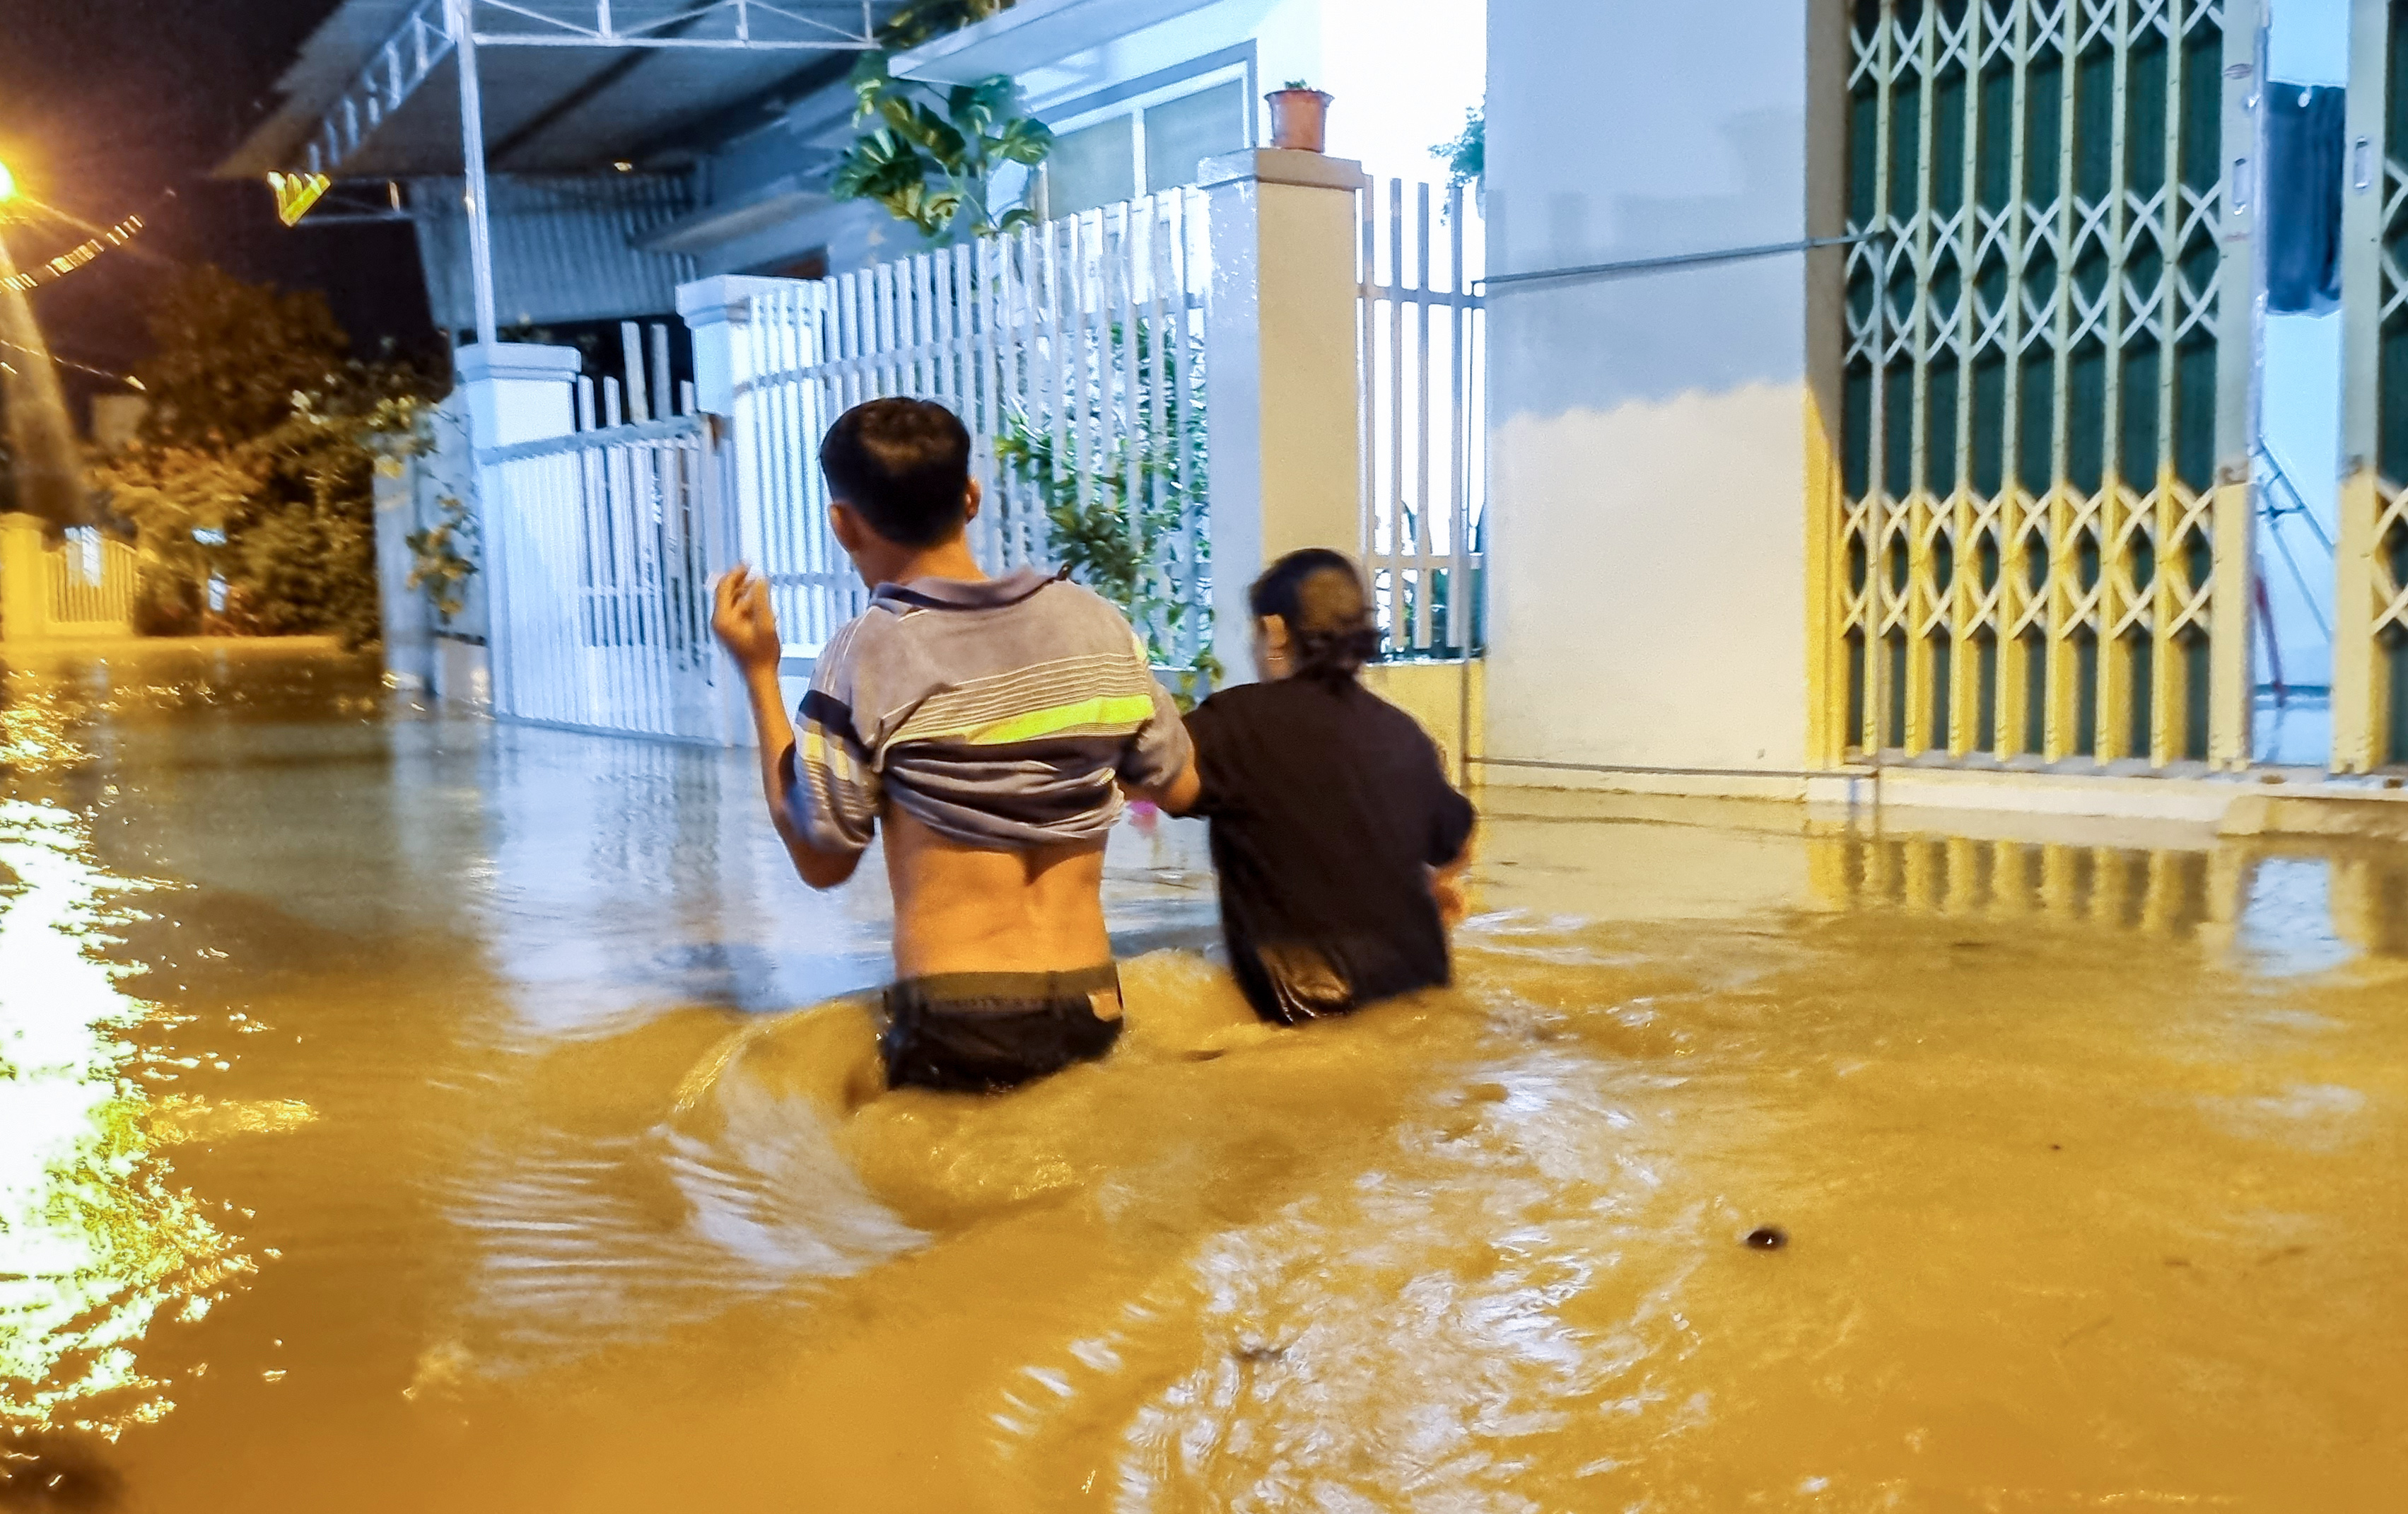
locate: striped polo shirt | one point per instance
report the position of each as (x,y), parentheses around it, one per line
(1003,713)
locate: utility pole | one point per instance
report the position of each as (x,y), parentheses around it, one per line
(472,152)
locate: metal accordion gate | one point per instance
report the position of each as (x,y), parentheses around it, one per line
(2043,539)
(2371,600)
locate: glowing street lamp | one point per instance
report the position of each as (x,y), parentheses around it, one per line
(7,184)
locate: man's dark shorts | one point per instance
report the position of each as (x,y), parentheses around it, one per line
(980,1033)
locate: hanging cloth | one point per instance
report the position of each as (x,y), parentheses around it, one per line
(2304,130)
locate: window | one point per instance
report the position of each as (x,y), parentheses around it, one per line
(1152,147)
(1097,165)
(1181,134)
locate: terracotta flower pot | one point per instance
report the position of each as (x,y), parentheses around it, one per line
(1300,120)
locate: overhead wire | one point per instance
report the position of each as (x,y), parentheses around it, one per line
(102,240)
(71,363)
(51,270)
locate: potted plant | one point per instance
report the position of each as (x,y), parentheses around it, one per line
(1300,118)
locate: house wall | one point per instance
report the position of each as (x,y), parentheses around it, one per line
(1403,76)
(1653,437)
(1283,29)
(1401,88)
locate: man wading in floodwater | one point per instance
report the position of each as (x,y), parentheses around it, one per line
(990,723)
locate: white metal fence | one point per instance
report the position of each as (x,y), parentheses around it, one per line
(599,545)
(1074,353)
(91,582)
(1425,406)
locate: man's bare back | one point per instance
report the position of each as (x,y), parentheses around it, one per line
(969,909)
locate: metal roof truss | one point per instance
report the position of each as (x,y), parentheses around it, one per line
(432,33)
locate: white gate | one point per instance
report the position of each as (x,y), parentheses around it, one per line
(1424,418)
(600,608)
(1074,353)
(92,584)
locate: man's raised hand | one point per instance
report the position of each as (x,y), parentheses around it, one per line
(743,622)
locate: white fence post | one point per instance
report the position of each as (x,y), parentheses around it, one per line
(1281,345)
(516,392)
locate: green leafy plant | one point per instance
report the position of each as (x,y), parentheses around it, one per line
(444,557)
(931,160)
(1130,525)
(1296,84)
(1466,154)
(438,565)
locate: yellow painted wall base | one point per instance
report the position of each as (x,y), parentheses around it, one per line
(1440,694)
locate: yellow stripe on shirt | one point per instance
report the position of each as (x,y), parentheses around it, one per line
(1102,716)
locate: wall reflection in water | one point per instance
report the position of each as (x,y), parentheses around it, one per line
(2286,912)
(97,1244)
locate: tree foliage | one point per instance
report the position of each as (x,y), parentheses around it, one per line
(228,357)
(1466,154)
(264,439)
(930,159)
(445,556)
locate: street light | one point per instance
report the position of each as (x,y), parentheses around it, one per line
(7,184)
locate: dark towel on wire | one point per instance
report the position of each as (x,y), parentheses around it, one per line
(2304,131)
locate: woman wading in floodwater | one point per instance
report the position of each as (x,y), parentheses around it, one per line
(1339,843)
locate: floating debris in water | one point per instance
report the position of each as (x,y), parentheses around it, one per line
(1766,1238)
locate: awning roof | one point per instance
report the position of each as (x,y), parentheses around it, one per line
(571,105)
(1033,34)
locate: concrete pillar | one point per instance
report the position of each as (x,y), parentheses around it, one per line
(1285,425)
(519,392)
(24,584)
(516,392)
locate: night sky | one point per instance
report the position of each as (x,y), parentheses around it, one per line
(116,106)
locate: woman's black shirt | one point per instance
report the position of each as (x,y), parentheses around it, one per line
(1328,807)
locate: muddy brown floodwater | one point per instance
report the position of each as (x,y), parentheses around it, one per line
(403,1113)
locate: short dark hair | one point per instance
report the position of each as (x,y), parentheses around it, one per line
(1320,595)
(905,465)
